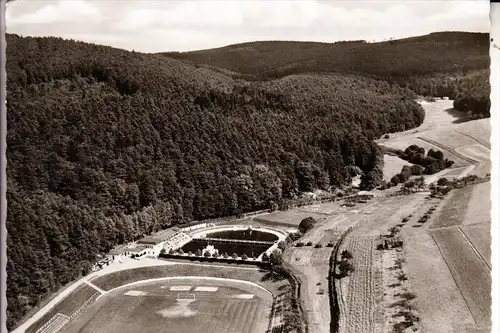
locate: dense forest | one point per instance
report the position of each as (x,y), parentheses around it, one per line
(452,64)
(105,146)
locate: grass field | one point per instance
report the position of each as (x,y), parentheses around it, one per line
(439,301)
(66,306)
(120,278)
(470,273)
(154,308)
(453,209)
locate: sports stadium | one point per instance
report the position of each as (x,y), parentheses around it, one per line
(206,277)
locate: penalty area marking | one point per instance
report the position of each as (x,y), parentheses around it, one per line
(206,288)
(178,288)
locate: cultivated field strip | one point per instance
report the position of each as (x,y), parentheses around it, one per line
(439,300)
(470,273)
(361,291)
(454,208)
(449,138)
(480,237)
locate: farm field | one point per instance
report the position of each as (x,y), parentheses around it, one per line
(66,307)
(470,273)
(439,300)
(479,207)
(218,307)
(454,208)
(358,290)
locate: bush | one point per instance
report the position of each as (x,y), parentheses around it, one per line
(346,255)
(408,296)
(317,246)
(206,254)
(299,244)
(198,253)
(309,244)
(306,224)
(265,257)
(244,257)
(442,181)
(235,256)
(330,244)
(387,136)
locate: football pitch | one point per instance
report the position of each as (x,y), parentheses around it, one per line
(177,306)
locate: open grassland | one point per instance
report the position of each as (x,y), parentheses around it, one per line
(257,276)
(358,290)
(479,207)
(452,211)
(469,271)
(154,310)
(66,307)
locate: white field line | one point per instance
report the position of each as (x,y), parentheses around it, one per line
(94,286)
(188,278)
(178,288)
(206,288)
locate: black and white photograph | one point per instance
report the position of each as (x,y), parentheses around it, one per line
(249,166)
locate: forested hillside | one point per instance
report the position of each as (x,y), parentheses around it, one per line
(105,146)
(439,64)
